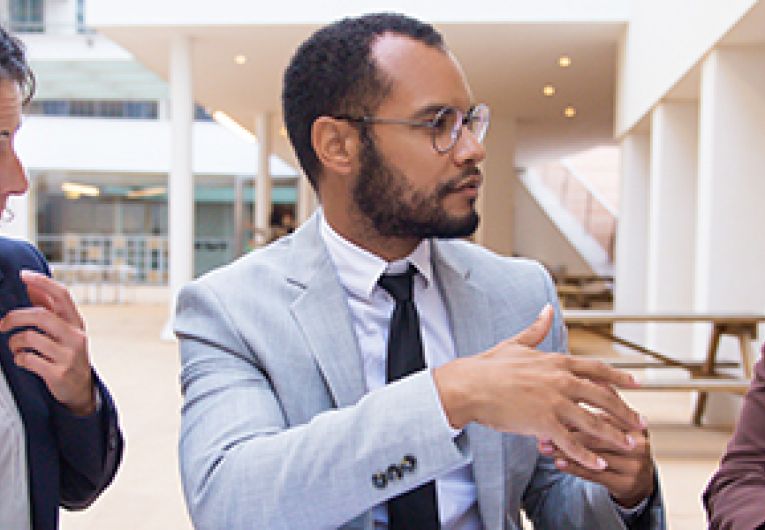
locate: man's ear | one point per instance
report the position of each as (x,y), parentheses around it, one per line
(335,143)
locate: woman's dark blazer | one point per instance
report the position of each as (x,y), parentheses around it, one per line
(70,459)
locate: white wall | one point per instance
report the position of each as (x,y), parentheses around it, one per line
(61,16)
(183,12)
(664,40)
(496,202)
(93,144)
(76,47)
(536,236)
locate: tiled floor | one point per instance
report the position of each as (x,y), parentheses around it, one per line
(142,372)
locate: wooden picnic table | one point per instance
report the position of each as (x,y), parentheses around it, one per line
(705,376)
(584,290)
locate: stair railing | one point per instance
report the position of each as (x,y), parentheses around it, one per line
(578,197)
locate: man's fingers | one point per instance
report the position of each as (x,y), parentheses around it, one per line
(538,330)
(604,398)
(35,363)
(29,341)
(49,293)
(600,372)
(574,450)
(576,417)
(574,468)
(34,317)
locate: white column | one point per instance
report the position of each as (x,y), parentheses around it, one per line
(630,259)
(61,17)
(307,199)
(180,194)
(263,179)
(730,246)
(495,203)
(239,215)
(672,223)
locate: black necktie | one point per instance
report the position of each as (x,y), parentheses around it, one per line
(415,509)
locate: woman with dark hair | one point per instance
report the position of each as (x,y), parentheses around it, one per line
(59,439)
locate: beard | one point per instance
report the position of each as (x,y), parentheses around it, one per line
(395,208)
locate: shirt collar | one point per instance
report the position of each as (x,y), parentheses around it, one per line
(359,269)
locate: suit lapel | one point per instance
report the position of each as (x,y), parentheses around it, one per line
(322,313)
(471,322)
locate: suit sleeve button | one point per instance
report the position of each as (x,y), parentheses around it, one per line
(379,480)
(409,463)
(395,472)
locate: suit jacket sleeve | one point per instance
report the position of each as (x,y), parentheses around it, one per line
(244,466)
(554,499)
(90,446)
(733,498)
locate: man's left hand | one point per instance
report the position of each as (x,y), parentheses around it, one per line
(629,476)
(54,344)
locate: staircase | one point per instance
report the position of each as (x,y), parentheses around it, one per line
(580,195)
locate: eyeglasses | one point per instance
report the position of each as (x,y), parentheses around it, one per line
(445,127)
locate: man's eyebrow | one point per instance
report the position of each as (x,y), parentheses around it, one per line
(433,109)
(429,110)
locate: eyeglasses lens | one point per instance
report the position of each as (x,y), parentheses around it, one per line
(448,125)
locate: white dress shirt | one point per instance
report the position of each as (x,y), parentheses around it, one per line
(371,308)
(14,488)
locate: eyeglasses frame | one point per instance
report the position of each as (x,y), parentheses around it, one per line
(463,120)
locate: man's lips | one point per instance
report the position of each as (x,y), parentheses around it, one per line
(472,182)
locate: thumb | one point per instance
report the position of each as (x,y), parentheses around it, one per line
(538,330)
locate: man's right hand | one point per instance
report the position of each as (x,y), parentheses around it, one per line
(514,388)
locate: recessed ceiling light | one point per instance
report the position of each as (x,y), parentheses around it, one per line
(569,112)
(564,61)
(548,90)
(240,59)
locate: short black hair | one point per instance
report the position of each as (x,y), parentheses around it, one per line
(14,66)
(333,73)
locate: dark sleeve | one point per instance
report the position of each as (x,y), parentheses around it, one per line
(733,498)
(90,446)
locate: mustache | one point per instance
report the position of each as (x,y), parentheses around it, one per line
(468,177)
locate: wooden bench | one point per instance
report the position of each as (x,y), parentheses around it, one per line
(704,375)
(583,291)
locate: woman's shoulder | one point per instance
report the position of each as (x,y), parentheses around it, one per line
(20,253)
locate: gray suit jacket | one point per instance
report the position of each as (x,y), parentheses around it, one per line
(278,433)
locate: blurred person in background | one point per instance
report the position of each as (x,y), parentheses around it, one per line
(734,498)
(60,443)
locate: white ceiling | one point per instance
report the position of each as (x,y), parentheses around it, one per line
(507,65)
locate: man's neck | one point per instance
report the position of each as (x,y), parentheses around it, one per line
(363,235)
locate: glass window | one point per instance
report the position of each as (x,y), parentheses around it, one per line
(145,110)
(27,16)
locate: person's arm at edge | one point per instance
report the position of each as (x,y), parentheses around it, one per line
(733,496)
(91,446)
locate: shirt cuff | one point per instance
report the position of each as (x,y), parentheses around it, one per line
(630,514)
(452,430)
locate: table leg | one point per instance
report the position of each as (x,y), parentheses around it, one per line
(747,358)
(707,369)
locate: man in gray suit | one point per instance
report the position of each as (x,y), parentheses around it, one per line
(320,393)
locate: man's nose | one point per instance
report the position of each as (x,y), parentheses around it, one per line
(468,149)
(13,178)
